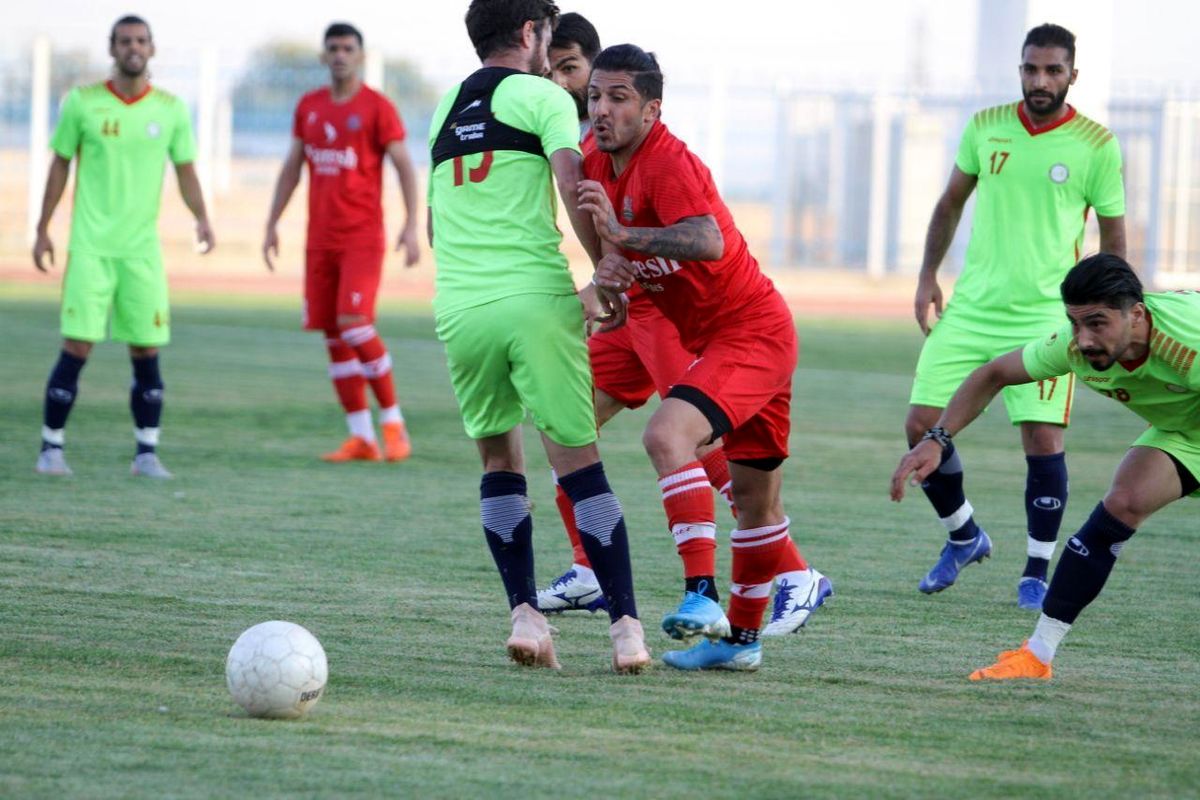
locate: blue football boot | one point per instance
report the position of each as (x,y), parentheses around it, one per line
(697,615)
(718,654)
(1030,593)
(954,557)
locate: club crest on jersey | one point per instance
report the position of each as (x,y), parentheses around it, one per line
(330,133)
(1059,173)
(354,122)
(311,118)
(153,130)
(1176,388)
(627,209)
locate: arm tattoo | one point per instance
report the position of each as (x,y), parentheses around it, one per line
(691,239)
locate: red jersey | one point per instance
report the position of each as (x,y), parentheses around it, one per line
(663,183)
(344,145)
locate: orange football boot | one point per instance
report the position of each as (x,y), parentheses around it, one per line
(355,448)
(396,444)
(1021,664)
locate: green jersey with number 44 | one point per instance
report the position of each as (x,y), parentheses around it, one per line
(123,145)
(1034,189)
(1164,389)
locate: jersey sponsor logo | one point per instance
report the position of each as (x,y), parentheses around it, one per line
(1048,503)
(1077,546)
(1096,379)
(153,130)
(999,140)
(329,160)
(655,267)
(470,133)
(330,133)
(354,123)
(1059,173)
(1176,388)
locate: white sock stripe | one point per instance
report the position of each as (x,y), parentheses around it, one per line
(687,531)
(958,518)
(688,487)
(760,542)
(392,414)
(680,477)
(333,342)
(501,515)
(53,435)
(751,533)
(146,436)
(727,490)
(1039,549)
(345,369)
(359,424)
(360,335)
(379,367)
(598,517)
(753,591)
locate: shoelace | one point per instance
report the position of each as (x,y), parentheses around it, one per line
(783,596)
(564,579)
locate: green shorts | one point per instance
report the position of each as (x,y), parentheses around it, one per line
(525,352)
(951,353)
(135,289)
(1185,449)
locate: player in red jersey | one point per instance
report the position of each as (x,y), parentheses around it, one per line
(344,132)
(629,365)
(664,225)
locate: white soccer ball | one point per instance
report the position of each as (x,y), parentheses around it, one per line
(276,669)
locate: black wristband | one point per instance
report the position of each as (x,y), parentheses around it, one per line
(939,435)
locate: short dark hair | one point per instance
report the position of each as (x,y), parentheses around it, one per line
(1050,35)
(128,19)
(1102,278)
(643,66)
(339,29)
(493,24)
(574,28)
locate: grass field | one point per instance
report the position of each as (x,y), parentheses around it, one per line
(120,598)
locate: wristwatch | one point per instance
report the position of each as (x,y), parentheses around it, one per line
(939,435)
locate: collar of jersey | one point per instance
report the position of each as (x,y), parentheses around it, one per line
(127,100)
(1130,366)
(1034,130)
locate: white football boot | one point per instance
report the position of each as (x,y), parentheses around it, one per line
(795,602)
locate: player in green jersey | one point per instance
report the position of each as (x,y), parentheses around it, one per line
(1139,350)
(122,131)
(508,314)
(1036,168)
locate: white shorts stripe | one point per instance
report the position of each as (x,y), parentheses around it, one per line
(689,487)
(345,369)
(958,518)
(680,477)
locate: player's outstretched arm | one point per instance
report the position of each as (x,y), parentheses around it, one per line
(567,165)
(407,241)
(689,239)
(289,179)
(1112,235)
(942,226)
(968,403)
(193,198)
(56,182)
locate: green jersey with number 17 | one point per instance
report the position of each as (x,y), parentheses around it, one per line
(1034,189)
(494,212)
(1164,389)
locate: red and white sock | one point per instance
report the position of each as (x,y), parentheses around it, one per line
(376,362)
(688,501)
(716,467)
(346,373)
(791,563)
(756,554)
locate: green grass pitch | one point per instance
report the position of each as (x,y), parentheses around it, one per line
(119,600)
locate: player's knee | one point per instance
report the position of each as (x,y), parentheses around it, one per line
(919,420)
(77,348)
(665,446)
(1127,505)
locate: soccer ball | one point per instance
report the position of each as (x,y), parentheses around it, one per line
(276,669)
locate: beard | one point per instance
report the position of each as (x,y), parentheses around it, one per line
(1055,102)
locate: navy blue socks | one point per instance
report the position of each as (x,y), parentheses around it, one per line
(602,532)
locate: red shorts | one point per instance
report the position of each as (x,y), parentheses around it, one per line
(747,372)
(640,358)
(340,282)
